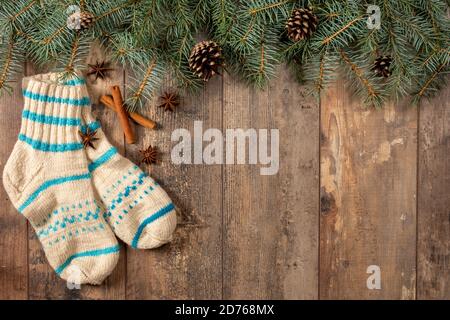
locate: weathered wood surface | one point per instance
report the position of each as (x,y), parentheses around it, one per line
(433,277)
(355,188)
(13,227)
(270,221)
(191,266)
(368,198)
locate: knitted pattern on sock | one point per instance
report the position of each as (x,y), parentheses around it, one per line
(47,179)
(139,211)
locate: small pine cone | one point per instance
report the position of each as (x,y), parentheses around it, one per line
(302,24)
(382,66)
(86,20)
(206,59)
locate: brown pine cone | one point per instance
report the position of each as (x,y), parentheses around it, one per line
(206,59)
(302,24)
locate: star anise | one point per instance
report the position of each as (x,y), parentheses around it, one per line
(169,101)
(149,155)
(99,69)
(88,137)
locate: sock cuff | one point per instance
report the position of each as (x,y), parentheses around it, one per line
(52,114)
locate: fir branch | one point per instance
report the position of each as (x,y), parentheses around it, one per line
(201,9)
(222,11)
(69,68)
(258,67)
(416,30)
(146,21)
(23,10)
(137,95)
(224,19)
(7,64)
(184,42)
(434,53)
(155,37)
(254,11)
(26,36)
(261,67)
(334,35)
(47,41)
(116,9)
(185,79)
(430,80)
(50,38)
(320,78)
(320,70)
(244,38)
(359,73)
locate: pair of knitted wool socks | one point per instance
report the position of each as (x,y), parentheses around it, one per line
(76,199)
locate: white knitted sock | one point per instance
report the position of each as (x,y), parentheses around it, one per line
(139,211)
(48,180)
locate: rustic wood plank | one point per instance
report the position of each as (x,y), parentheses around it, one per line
(190,266)
(433,277)
(13,227)
(368,197)
(44,283)
(270,222)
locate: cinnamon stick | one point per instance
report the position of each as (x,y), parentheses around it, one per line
(123,116)
(108,101)
(143,121)
(139,119)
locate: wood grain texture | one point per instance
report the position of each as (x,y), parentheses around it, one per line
(190,267)
(44,283)
(433,274)
(270,222)
(368,198)
(13,227)
(380,198)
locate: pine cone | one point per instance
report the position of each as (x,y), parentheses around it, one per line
(302,24)
(86,20)
(382,66)
(206,59)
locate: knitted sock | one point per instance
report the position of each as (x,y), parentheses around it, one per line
(139,211)
(48,181)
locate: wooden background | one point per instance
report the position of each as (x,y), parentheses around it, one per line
(356,187)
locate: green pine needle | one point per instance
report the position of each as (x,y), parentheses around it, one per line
(154,38)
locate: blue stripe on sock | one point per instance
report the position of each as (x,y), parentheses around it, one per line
(49,99)
(153,217)
(57,121)
(102,159)
(90,253)
(93,126)
(74,82)
(50,147)
(47,184)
